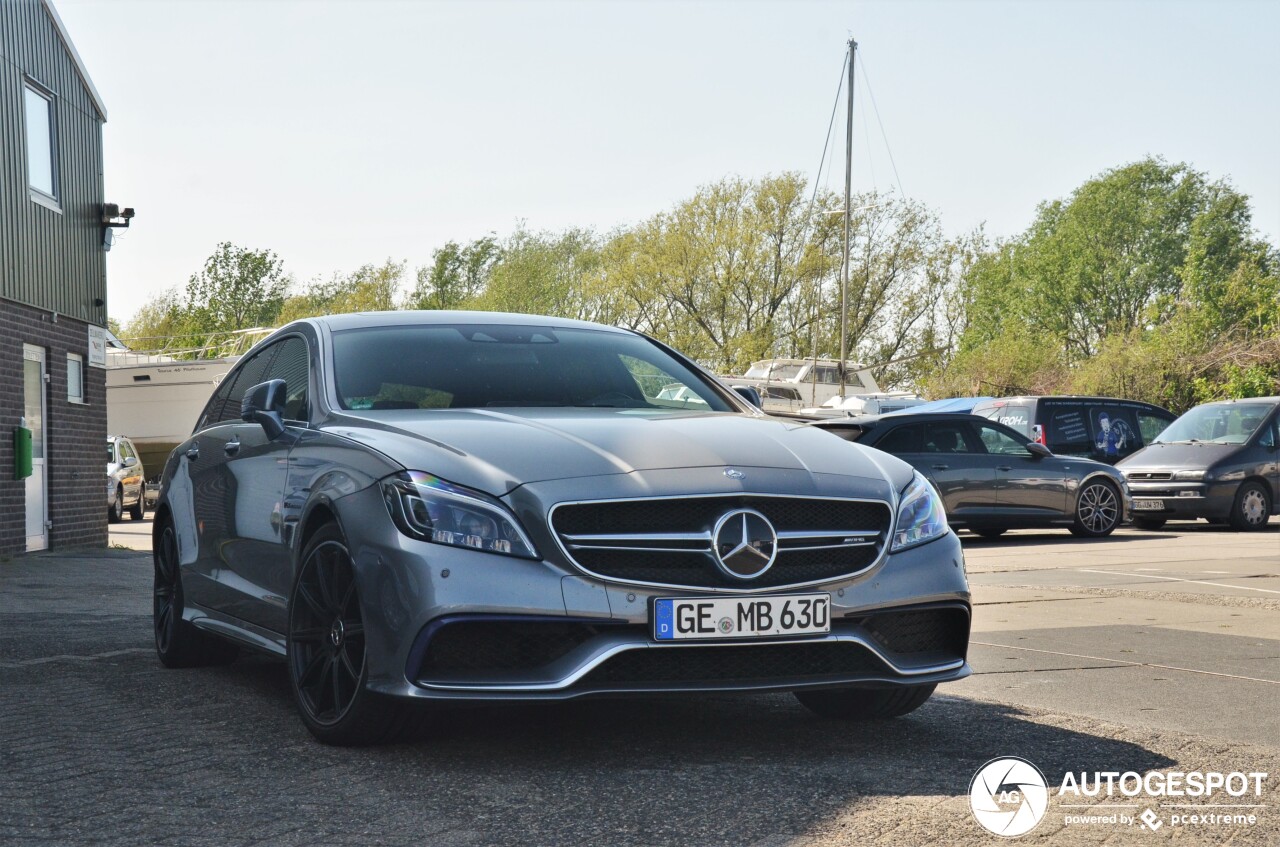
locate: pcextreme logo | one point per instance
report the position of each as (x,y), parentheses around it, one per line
(1009,797)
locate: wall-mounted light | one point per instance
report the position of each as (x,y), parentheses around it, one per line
(113,216)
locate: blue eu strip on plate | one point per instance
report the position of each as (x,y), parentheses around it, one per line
(663,625)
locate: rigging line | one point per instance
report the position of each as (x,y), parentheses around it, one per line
(866,80)
(835,107)
(866,131)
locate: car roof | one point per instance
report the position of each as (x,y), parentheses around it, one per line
(437,317)
(1092,398)
(869,422)
(1272,400)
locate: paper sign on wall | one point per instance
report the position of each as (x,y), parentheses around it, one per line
(97,346)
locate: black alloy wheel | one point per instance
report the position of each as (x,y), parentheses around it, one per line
(1252,508)
(179,644)
(327,658)
(1097,510)
(139,510)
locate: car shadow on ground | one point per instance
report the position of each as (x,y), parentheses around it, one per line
(708,769)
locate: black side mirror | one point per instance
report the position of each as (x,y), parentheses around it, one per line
(748,393)
(264,404)
(1038,450)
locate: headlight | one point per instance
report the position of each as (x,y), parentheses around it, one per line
(429,509)
(921,517)
(1185,476)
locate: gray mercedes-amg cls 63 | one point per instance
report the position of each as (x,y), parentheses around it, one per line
(454,506)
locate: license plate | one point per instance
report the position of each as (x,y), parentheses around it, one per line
(686,618)
(1143,504)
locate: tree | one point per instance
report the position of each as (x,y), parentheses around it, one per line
(238,288)
(370,288)
(457,274)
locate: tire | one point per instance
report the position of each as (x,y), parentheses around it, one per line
(1251,509)
(138,510)
(179,644)
(1148,523)
(1097,510)
(328,667)
(991,533)
(860,704)
(115,512)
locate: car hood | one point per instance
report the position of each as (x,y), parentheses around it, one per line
(498,450)
(1172,457)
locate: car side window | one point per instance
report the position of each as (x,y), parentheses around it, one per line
(999,442)
(1149,426)
(291,365)
(903,439)
(225,407)
(947,438)
(1268,438)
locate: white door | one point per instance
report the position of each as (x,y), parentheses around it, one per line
(33,390)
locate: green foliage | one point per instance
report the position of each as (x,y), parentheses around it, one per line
(238,288)
(1148,282)
(370,288)
(456,276)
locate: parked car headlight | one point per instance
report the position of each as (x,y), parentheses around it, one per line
(428,508)
(921,517)
(1186,476)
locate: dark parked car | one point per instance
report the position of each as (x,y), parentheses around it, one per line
(1219,461)
(474,506)
(1102,428)
(992,478)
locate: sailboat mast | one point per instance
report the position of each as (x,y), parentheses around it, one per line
(848,216)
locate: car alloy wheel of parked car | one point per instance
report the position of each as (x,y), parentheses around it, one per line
(1097,510)
(138,510)
(326,650)
(115,512)
(1252,507)
(178,643)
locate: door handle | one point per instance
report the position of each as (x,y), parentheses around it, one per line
(232,447)
(941,467)
(1004,468)
(194,452)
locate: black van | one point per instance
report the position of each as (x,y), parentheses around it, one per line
(1103,428)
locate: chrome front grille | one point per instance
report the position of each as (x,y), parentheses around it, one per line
(668,541)
(1148,476)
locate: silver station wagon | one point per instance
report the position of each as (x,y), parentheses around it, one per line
(456,506)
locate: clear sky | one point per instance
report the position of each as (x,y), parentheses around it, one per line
(339,133)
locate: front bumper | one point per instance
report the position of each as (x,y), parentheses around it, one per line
(415,593)
(1184,500)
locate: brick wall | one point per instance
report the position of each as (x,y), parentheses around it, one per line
(75,433)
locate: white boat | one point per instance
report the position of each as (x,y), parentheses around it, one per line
(155,396)
(789,385)
(866,404)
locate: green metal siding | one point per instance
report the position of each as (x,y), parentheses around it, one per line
(49,260)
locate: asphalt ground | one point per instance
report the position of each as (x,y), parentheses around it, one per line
(1149,651)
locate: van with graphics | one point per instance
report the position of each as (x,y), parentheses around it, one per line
(1102,428)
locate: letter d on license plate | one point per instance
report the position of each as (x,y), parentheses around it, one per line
(686,618)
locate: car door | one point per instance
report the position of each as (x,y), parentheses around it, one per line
(213,486)
(1028,486)
(256,559)
(961,471)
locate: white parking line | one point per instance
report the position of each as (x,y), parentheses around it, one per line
(1129,664)
(1178,579)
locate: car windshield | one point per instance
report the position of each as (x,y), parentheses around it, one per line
(1226,423)
(472,366)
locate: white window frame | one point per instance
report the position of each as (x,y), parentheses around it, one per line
(75,397)
(39,195)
